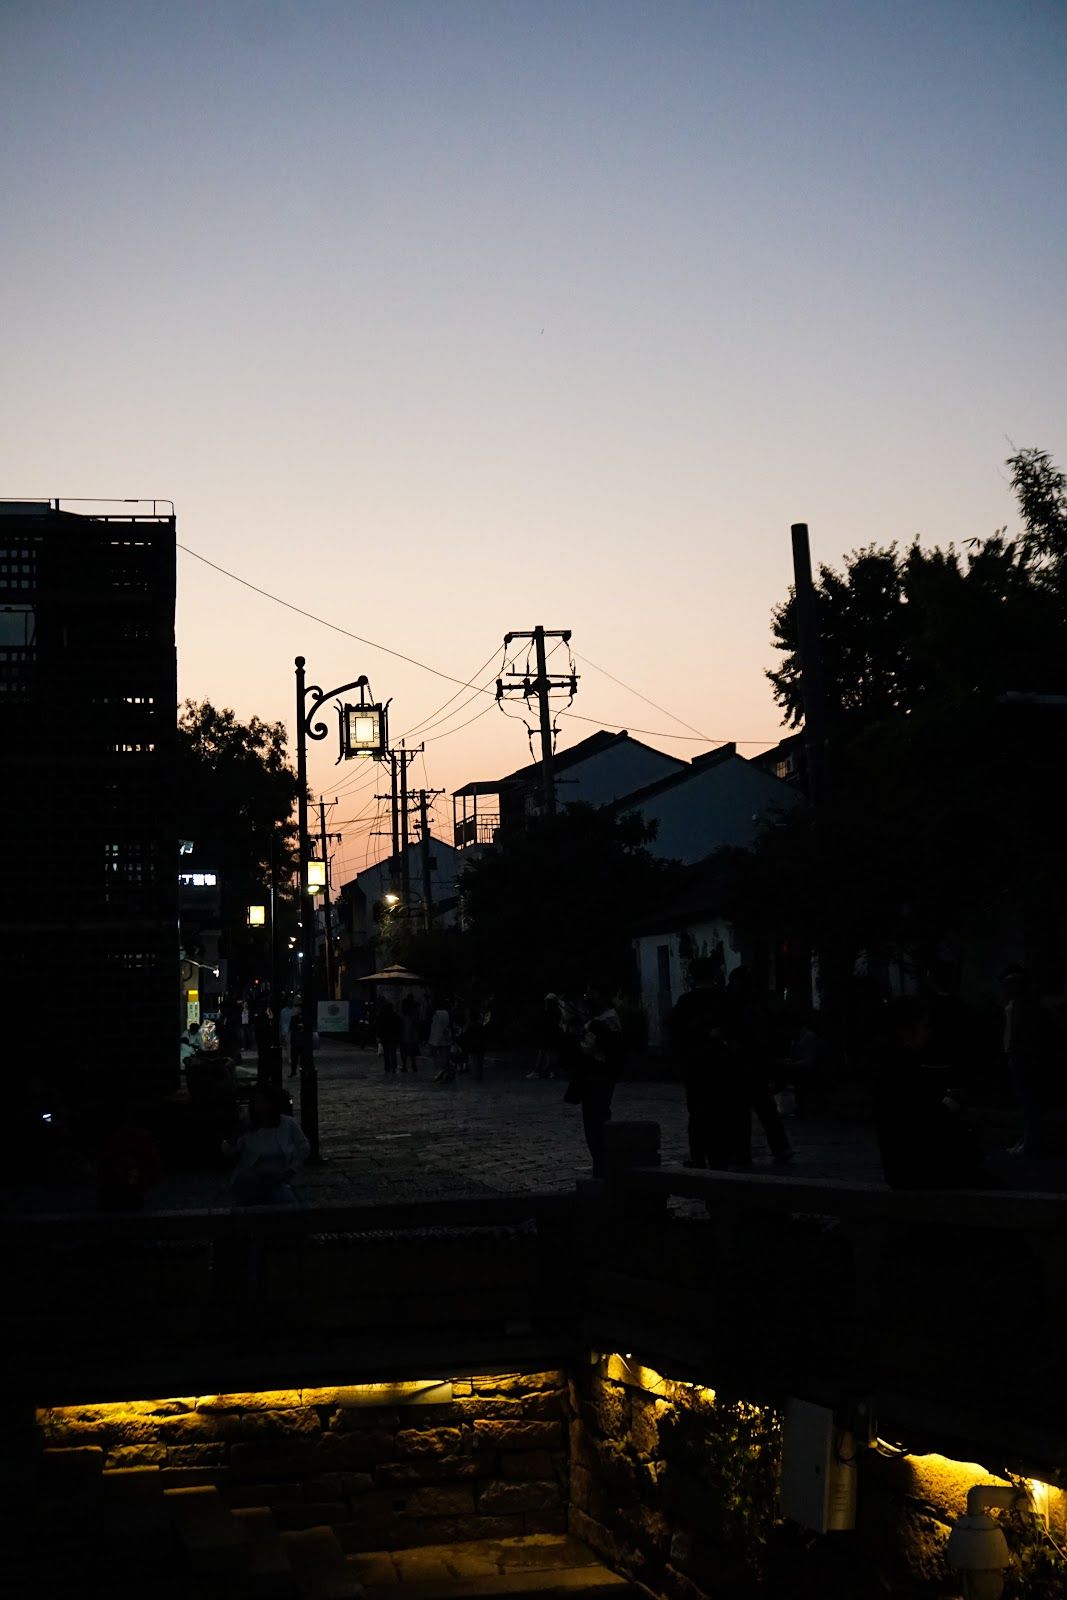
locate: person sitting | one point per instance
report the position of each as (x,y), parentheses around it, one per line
(269,1154)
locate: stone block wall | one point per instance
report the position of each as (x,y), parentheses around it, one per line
(387,1466)
(670,1484)
(677,1487)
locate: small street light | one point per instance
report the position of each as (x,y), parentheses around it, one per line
(257,916)
(316,876)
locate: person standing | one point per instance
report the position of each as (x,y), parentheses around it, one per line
(697,1043)
(548,1031)
(747,1079)
(296,1041)
(440,1041)
(600,1064)
(387,1028)
(410,1034)
(285,1021)
(481,1016)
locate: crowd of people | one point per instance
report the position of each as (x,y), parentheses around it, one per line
(739,1061)
(579,1040)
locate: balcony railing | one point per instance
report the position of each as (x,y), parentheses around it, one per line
(481,829)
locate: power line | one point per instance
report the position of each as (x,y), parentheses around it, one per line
(658,733)
(483,712)
(335,627)
(649,733)
(434,715)
(431,720)
(631,690)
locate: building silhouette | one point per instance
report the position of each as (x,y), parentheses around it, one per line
(89,898)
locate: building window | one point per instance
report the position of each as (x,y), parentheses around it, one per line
(18,627)
(18,632)
(18,567)
(129,868)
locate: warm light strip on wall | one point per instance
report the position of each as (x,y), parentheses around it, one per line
(1049,1502)
(626,1369)
(417,1391)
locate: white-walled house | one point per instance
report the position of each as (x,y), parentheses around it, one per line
(718,799)
(386,875)
(662,953)
(596,771)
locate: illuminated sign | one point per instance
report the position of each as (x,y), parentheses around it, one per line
(198,880)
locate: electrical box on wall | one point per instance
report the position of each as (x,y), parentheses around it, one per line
(818,1469)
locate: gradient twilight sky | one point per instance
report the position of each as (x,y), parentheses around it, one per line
(444,319)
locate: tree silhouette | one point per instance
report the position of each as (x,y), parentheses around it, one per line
(236,794)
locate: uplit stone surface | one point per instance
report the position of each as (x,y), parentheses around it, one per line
(477,1458)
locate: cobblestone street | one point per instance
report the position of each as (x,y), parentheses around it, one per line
(405,1137)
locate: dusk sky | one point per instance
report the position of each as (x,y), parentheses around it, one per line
(442,320)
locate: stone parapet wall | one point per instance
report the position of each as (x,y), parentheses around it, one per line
(670,1484)
(387,1466)
(678,1488)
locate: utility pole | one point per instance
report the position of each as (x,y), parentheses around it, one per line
(327,914)
(395,814)
(540,688)
(405,869)
(399,870)
(811,680)
(424,798)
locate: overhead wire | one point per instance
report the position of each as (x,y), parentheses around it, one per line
(659,733)
(433,718)
(400,655)
(631,690)
(335,627)
(480,689)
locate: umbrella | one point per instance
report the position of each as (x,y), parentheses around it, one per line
(393,975)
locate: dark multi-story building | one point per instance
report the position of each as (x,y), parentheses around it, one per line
(88,691)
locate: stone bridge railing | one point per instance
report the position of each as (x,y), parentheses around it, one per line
(109,1307)
(938,1314)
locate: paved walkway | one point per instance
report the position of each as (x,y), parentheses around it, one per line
(404,1137)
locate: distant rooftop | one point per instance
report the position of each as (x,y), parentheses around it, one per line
(120,509)
(584,750)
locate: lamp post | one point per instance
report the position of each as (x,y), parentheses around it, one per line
(268,1047)
(362,734)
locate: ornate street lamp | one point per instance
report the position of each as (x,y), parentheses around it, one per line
(362,729)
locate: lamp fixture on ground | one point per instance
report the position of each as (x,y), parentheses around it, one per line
(976,1545)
